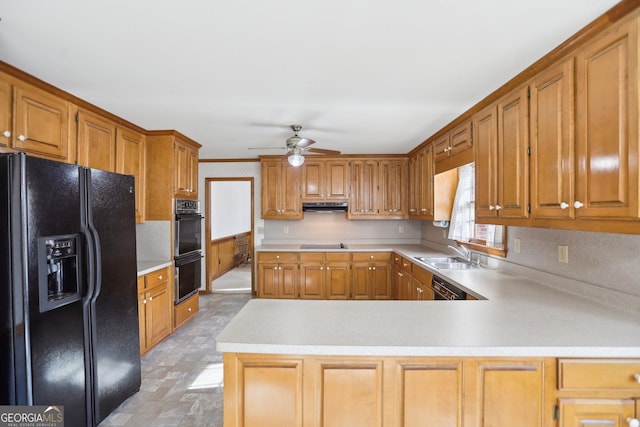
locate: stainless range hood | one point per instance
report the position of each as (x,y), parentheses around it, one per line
(325,206)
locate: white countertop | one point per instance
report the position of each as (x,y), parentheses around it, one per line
(145,267)
(520,317)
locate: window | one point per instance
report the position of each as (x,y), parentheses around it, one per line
(463,229)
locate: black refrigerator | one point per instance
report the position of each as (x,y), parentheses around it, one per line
(68,288)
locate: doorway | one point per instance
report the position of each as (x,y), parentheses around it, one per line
(229,235)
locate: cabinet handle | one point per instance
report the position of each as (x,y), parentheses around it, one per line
(633,422)
(564,205)
(6,134)
(22,137)
(578,204)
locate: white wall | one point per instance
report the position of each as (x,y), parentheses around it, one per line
(230,208)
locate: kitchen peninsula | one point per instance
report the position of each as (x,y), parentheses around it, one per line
(534,352)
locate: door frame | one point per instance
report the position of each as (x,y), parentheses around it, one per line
(207,239)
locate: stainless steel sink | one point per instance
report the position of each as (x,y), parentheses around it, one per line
(447,263)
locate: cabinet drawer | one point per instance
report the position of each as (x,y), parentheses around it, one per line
(277,256)
(601,374)
(311,256)
(422,275)
(185,310)
(338,257)
(156,277)
(372,256)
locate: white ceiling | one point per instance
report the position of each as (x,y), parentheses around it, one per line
(363,77)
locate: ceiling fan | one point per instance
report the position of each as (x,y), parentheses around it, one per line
(296,145)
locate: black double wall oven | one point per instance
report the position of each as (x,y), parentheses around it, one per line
(187,249)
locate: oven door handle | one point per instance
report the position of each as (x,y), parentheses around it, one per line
(180,217)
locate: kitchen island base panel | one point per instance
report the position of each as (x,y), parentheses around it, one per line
(313,391)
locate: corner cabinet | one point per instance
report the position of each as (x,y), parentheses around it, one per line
(281,182)
(172,172)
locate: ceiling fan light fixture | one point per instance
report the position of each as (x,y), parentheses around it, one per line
(296,159)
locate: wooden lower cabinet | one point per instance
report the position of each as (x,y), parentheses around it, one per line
(371,275)
(186,310)
(315,391)
(154,308)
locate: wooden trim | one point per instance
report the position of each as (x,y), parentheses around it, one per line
(228,160)
(175,133)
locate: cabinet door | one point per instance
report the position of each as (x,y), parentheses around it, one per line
(551,138)
(130,154)
(363,188)
(596,412)
(381,281)
(425,172)
(312,277)
(5,113)
(461,139)
(267,280)
(337,281)
(337,180)
(485,132)
(607,155)
(441,147)
(431,394)
(290,197)
(193,173)
(360,281)
(183,174)
(158,309)
(513,161)
(41,123)
(392,179)
(96,141)
(288,281)
(504,392)
(270,176)
(313,180)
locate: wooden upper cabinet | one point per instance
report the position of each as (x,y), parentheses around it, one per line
(364,184)
(41,123)
(513,160)
(552,141)
(5,113)
(607,125)
(96,141)
(485,135)
(130,160)
(281,197)
(186,174)
(325,180)
(421,189)
(392,190)
(455,148)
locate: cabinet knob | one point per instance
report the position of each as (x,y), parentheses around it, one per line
(637,377)
(400,275)
(564,205)
(491,207)
(633,422)
(277,256)
(321,268)
(6,134)
(189,309)
(498,207)
(144,301)
(328,268)
(373,268)
(160,277)
(371,257)
(22,137)
(578,204)
(150,298)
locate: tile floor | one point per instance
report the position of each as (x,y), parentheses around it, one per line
(182,376)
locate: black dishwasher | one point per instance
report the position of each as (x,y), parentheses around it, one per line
(444,290)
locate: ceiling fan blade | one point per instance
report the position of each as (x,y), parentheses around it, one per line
(305,142)
(322,151)
(267,148)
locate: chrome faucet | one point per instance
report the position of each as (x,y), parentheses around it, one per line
(462,251)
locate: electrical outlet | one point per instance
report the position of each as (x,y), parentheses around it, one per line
(286,229)
(516,245)
(401,229)
(563,254)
